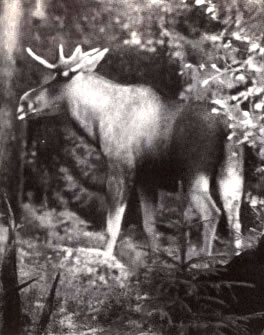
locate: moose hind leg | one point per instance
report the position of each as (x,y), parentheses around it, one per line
(202,202)
(148,201)
(230,182)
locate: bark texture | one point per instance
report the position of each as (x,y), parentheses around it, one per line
(11,136)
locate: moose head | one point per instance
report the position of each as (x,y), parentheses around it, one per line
(50,99)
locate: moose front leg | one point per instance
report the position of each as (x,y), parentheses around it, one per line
(118,187)
(113,226)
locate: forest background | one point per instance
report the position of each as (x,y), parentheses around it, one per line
(185,49)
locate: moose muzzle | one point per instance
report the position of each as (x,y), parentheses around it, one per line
(21,112)
(25,110)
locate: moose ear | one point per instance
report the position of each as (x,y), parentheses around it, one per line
(90,63)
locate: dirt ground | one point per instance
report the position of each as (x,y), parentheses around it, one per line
(96,294)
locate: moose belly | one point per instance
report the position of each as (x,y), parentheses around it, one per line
(179,166)
(162,175)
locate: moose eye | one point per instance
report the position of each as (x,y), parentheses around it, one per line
(64,75)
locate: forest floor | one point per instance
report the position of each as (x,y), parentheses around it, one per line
(96,294)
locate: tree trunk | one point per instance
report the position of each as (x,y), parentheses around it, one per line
(11,141)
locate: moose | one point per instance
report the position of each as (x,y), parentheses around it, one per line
(148,141)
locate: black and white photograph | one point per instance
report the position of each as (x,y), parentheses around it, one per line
(132,167)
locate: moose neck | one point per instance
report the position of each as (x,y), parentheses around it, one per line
(91,99)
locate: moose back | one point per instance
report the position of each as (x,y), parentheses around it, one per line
(147,141)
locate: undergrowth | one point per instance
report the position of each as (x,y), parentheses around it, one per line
(174,294)
(189,297)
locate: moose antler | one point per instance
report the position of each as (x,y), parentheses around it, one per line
(63,63)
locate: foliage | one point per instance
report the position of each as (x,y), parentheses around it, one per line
(192,49)
(179,301)
(92,292)
(189,296)
(62,227)
(219,48)
(238,71)
(118,304)
(174,294)
(64,171)
(13,320)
